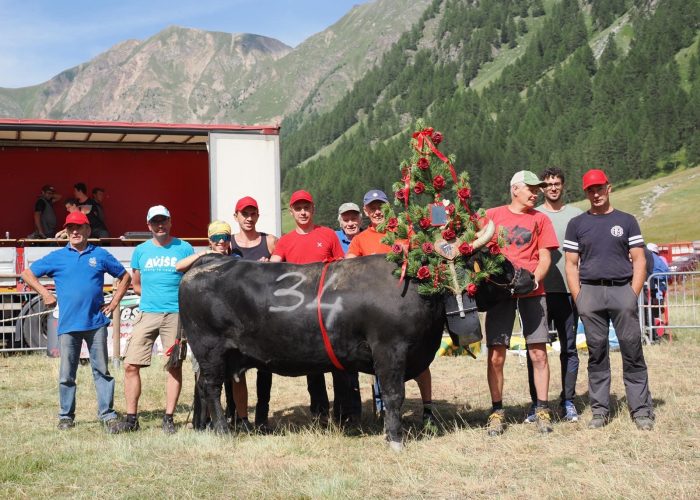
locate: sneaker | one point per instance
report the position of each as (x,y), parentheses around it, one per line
(598,421)
(496,425)
(544,420)
(644,423)
(531,418)
(570,413)
(65,423)
(168,426)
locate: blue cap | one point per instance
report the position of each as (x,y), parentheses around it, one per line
(373,195)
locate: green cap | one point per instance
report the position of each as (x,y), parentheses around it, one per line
(528,178)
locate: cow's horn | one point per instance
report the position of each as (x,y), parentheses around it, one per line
(484,235)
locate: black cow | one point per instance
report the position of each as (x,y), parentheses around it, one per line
(241,314)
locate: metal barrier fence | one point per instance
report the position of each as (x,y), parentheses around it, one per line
(23,322)
(669,302)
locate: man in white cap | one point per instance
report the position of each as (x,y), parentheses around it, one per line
(658,285)
(349,219)
(157,281)
(529,238)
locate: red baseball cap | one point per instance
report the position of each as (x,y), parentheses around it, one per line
(300,195)
(77,217)
(246,201)
(593,177)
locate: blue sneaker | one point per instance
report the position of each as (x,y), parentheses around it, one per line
(570,413)
(531,416)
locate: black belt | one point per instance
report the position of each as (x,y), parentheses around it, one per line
(606,282)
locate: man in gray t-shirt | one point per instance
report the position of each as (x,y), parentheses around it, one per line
(560,307)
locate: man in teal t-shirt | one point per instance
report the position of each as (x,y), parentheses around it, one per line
(157,281)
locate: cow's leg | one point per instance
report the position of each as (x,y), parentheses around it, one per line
(390,373)
(199,406)
(212,394)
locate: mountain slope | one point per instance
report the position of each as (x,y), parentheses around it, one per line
(189,75)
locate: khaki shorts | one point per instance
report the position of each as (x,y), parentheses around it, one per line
(146,329)
(501,317)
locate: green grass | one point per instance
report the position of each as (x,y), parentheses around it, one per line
(304,461)
(673,200)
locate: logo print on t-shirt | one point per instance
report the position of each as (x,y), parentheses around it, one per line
(519,236)
(319,244)
(92,261)
(616,231)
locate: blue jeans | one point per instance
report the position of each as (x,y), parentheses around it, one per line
(70,357)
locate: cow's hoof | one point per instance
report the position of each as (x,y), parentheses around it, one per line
(396,446)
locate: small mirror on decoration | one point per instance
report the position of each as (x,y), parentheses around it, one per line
(438,214)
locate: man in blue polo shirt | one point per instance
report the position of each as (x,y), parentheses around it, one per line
(78,270)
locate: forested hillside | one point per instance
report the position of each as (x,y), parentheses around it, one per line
(578,84)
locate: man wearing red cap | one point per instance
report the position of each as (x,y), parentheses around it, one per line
(605,285)
(305,244)
(78,271)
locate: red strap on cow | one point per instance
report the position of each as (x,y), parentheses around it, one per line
(324,333)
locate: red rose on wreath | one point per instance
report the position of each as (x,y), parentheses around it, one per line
(437,138)
(400,194)
(423,273)
(448,234)
(424,223)
(419,187)
(397,249)
(423,163)
(494,249)
(438,182)
(450,209)
(392,224)
(471,289)
(474,217)
(427,248)
(466,249)
(464,193)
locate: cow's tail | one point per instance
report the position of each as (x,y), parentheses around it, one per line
(178,351)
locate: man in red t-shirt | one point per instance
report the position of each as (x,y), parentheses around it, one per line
(529,238)
(305,244)
(369,242)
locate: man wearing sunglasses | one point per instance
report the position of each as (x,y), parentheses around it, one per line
(560,307)
(156,280)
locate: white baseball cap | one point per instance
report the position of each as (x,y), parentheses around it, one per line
(653,247)
(156,211)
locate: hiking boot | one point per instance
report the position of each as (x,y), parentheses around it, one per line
(112,426)
(168,425)
(429,423)
(570,413)
(243,425)
(598,421)
(544,420)
(531,418)
(496,423)
(65,423)
(263,428)
(644,423)
(126,425)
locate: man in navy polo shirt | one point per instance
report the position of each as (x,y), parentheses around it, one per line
(605,285)
(78,270)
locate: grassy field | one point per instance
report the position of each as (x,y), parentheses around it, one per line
(304,461)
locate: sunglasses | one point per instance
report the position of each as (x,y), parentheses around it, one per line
(218,238)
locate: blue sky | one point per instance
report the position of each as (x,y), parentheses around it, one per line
(41,38)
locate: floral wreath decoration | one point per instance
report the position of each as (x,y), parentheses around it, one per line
(431,247)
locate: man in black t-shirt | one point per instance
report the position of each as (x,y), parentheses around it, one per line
(605,286)
(92,209)
(44,215)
